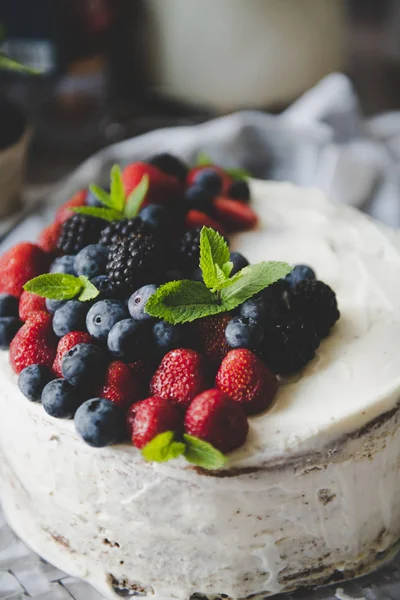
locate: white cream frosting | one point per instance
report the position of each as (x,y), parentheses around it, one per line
(258,532)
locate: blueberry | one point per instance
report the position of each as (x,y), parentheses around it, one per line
(209,179)
(91,260)
(83,365)
(8,306)
(63,264)
(239,190)
(70,317)
(299,273)
(155,215)
(60,399)
(92,200)
(255,308)
(198,198)
(102,317)
(170,164)
(8,329)
(242,332)
(33,379)
(105,287)
(239,262)
(53,305)
(138,301)
(100,422)
(168,337)
(127,339)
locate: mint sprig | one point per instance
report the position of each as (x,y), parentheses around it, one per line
(185,301)
(62,286)
(166,446)
(115,206)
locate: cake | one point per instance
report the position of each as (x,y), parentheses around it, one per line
(310,498)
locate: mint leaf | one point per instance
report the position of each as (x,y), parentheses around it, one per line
(182,302)
(251,280)
(203,160)
(227,268)
(101,195)
(163,448)
(117,192)
(214,254)
(12,65)
(238,173)
(202,453)
(89,291)
(56,286)
(107,214)
(137,197)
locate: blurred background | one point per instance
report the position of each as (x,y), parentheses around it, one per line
(113,69)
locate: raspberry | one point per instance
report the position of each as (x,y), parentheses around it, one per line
(218,420)
(152,417)
(315,302)
(117,230)
(34,344)
(30,303)
(79,231)
(245,378)
(121,385)
(180,377)
(67,342)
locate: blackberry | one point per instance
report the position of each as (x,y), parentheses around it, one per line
(134,261)
(289,344)
(315,302)
(79,231)
(167,163)
(117,230)
(189,249)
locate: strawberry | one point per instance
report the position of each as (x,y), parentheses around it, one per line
(209,334)
(121,385)
(226,178)
(20,264)
(30,303)
(48,238)
(180,377)
(246,379)
(64,212)
(67,342)
(162,187)
(196,218)
(233,214)
(151,417)
(34,344)
(218,420)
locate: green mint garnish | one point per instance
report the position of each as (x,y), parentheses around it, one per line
(203,160)
(185,301)
(115,205)
(166,447)
(10,64)
(238,173)
(62,286)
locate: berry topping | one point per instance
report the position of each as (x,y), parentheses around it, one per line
(32,380)
(208,179)
(151,417)
(244,332)
(239,262)
(128,339)
(180,377)
(209,335)
(53,305)
(198,198)
(122,386)
(169,164)
(63,264)
(66,343)
(20,264)
(233,214)
(48,238)
(91,261)
(71,316)
(35,343)
(8,328)
(125,228)
(197,218)
(105,287)
(103,315)
(315,302)
(189,249)
(100,422)
(218,420)
(225,177)
(64,212)
(137,302)
(167,337)
(30,303)
(299,273)
(60,399)
(246,379)
(162,187)
(255,308)
(156,216)
(8,306)
(82,364)
(79,231)
(239,190)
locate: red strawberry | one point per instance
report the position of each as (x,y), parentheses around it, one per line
(121,385)
(30,303)
(34,344)
(48,238)
(246,379)
(162,187)
(64,212)
(151,417)
(180,377)
(209,333)
(226,178)
(233,214)
(67,342)
(196,218)
(20,264)
(218,420)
